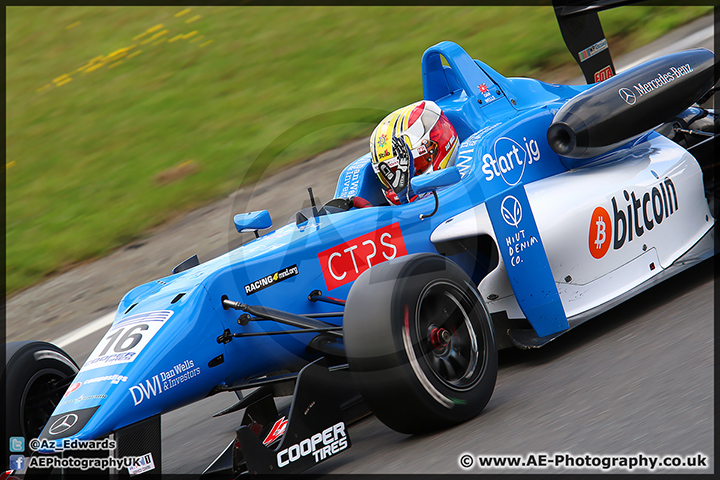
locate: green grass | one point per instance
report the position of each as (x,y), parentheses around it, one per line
(90,162)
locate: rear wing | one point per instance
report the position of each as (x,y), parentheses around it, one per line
(583,34)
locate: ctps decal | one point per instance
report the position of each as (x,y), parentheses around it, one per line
(344,263)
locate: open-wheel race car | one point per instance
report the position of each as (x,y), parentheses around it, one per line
(562,202)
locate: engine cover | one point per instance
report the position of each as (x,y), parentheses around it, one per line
(622,107)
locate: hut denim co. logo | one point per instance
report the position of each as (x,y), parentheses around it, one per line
(511,211)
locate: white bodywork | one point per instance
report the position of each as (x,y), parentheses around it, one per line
(564,208)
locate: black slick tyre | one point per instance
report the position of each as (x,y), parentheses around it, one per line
(420,343)
(36,376)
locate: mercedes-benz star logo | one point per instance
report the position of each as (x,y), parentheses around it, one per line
(63,424)
(627,95)
(511,211)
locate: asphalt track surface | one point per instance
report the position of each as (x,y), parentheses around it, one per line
(636,380)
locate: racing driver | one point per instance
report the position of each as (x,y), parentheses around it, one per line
(410,141)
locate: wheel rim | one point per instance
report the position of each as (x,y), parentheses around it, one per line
(451,346)
(39,400)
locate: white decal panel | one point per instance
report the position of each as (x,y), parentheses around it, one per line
(126,339)
(142,464)
(649,206)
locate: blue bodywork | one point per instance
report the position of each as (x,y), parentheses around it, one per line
(163,349)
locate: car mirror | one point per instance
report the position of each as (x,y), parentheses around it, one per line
(252,221)
(434,180)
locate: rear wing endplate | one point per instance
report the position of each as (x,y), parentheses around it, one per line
(583,34)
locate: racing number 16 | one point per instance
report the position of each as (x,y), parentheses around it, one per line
(124,339)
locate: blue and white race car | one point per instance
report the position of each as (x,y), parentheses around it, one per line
(562,202)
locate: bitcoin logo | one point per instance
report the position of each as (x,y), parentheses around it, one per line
(600,233)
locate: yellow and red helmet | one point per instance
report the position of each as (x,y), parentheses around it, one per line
(428,134)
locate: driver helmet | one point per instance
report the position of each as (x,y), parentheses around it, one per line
(410,141)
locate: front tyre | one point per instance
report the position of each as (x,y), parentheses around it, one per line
(420,343)
(36,376)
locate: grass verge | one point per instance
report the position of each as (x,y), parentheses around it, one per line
(119,118)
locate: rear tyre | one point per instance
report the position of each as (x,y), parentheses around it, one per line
(420,343)
(36,376)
